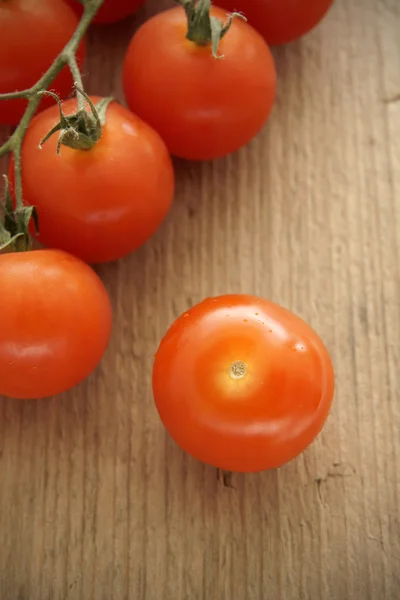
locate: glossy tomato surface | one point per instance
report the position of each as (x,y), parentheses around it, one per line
(110,11)
(55,323)
(242,384)
(203,107)
(32,34)
(103,203)
(280,21)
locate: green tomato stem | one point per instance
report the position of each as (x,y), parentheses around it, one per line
(204,29)
(13,95)
(76,74)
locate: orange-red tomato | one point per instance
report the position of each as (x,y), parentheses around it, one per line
(55,323)
(32,34)
(103,203)
(203,107)
(242,384)
(280,21)
(110,11)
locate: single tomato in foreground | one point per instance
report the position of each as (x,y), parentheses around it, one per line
(242,384)
(110,11)
(32,34)
(101,203)
(280,21)
(206,97)
(55,323)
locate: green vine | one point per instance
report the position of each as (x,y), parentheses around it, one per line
(14,227)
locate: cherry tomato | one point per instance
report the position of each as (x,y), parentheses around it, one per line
(203,107)
(242,384)
(103,203)
(55,323)
(32,34)
(280,21)
(111,11)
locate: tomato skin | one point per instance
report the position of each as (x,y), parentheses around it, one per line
(280,21)
(111,11)
(249,424)
(32,34)
(203,107)
(55,323)
(99,204)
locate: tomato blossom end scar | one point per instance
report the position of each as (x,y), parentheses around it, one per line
(238,369)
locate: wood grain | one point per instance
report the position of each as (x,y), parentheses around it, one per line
(96,502)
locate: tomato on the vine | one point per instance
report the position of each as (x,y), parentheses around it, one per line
(242,384)
(99,204)
(203,106)
(55,323)
(32,34)
(110,11)
(280,21)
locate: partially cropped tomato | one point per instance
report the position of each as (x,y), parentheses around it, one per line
(110,11)
(280,21)
(55,323)
(203,106)
(32,34)
(103,203)
(242,384)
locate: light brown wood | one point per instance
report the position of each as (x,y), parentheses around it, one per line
(96,502)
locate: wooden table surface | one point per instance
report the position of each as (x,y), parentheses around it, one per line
(96,502)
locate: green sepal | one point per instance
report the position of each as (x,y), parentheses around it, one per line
(14,223)
(81,130)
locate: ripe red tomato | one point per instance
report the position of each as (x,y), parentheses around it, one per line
(55,323)
(32,34)
(111,11)
(202,107)
(103,203)
(242,384)
(280,21)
